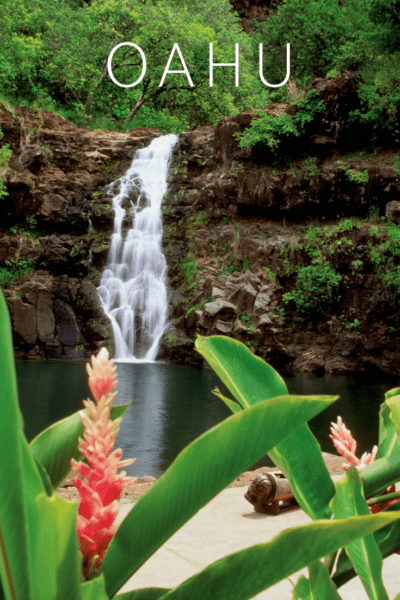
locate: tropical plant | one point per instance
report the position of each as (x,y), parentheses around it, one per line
(39,555)
(250,380)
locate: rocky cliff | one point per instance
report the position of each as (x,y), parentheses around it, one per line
(298,262)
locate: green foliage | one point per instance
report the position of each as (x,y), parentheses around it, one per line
(271,275)
(385,257)
(230,268)
(57,60)
(190,270)
(5,155)
(315,287)
(15,270)
(354,325)
(199,306)
(310,167)
(330,37)
(269,131)
(246,321)
(272,132)
(321,35)
(359,177)
(201,221)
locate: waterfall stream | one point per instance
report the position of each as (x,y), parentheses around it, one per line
(132,288)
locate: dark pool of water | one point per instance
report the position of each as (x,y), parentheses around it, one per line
(172,405)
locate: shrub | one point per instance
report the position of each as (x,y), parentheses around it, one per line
(271,132)
(315,285)
(15,270)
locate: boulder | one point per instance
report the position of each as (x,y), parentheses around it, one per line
(244,298)
(23,318)
(225,310)
(45,318)
(68,332)
(392,211)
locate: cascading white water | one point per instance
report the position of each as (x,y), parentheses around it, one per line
(132,289)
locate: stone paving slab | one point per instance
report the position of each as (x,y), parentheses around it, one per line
(225,525)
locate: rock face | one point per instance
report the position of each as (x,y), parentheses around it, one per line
(49,249)
(238,229)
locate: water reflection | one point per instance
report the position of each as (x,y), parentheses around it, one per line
(172,405)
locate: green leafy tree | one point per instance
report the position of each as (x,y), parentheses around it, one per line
(79,40)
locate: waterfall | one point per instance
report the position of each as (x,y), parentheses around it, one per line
(132,289)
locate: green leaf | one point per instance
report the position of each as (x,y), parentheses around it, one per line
(299,457)
(55,556)
(144,594)
(43,474)
(248,572)
(201,470)
(388,442)
(55,446)
(382,473)
(43,548)
(302,591)
(69,558)
(319,587)
(364,552)
(94,589)
(14,558)
(250,380)
(233,362)
(322,586)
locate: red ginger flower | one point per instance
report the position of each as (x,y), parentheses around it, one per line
(100,493)
(346,445)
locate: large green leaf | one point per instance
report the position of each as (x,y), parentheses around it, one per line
(248,572)
(69,559)
(200,471)
(43,546)
(318,587)
(53,544)
(388,442)
(364,552)
(55,446)
(14,555)
(250,380)
(382,473)
(299,457)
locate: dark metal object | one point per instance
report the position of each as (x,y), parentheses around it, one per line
(271,493)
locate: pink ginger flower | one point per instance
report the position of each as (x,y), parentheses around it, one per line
(100,485)
(346,445)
